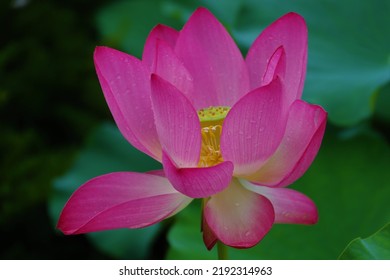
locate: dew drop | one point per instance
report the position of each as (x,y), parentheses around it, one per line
(316,117)
(286,214)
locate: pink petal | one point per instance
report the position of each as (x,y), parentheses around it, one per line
(253,128)
(289,31)
(126,87)
(300,144)
(209,237)
(238,217)
(199,181)
(177,123)
(214,61)
(291,207)
(168,66)
(156,172)
(306,160)
(158,33)
(120,200)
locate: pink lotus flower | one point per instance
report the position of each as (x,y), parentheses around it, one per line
(231,131)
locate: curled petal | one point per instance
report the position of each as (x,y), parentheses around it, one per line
(238,217)
(291,207)
(300,144)
(253,128)
(126,87)
(120,200)
(158,33)
(276,66)
(177,123)
(214,61)
(198,182)
(289,31)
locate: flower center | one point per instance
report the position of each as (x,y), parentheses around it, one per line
(211,120)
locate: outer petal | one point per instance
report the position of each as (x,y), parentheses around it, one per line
(158,33)
(306,160)
(289,31)
(120,200)
(177,123)
(253,129)
(300,144)
(216,64)
(159,172)
(238,217)
(126,87)
(209,237)
(291,207)
(198,182)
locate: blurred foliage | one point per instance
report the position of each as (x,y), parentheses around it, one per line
(50,100)
(375,247)
(383,103)
(124,24)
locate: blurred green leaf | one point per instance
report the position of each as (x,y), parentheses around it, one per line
(375,247)
(226,12)
(133,244)
(349,50)
(126,24)
(350,184)
(107,151)
(382,102)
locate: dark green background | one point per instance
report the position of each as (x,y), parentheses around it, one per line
(56,130)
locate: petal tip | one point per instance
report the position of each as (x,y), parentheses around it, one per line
(202,14)
(101,50)
(294,17)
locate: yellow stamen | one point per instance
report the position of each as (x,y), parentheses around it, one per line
(211,120)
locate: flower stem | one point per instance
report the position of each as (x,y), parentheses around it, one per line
(222,251)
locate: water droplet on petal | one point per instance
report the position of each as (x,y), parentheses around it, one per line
(316,117)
